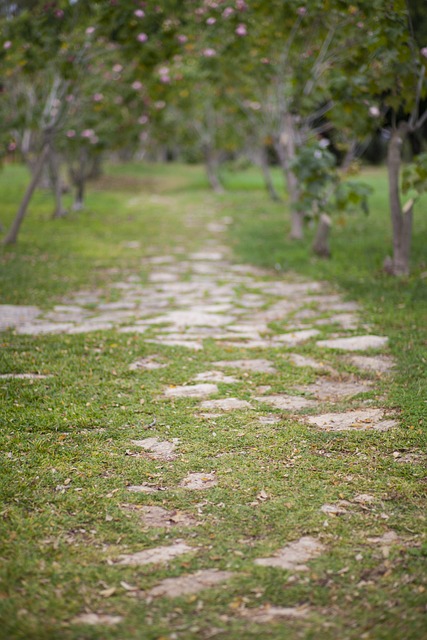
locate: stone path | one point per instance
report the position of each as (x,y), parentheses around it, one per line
(206,299)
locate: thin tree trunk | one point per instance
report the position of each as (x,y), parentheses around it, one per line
(267,175)
(321,241)
(212,170)
(286,148)
(12,236)
(79,195)
(401,219)
(55,178)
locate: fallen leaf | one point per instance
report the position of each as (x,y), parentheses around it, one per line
(107,593)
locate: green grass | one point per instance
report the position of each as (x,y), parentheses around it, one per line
(73,430)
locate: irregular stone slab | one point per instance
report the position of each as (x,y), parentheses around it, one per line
(269,419)
(333,509)
(364,498)
(191,391)
(215,376)
(117,306)
(87,327)
(226,404)
(188,344)
(162,276)
(182,319)
(132,329)
(159,450)
(386,540)
(296,337)
(97,619)
(294,556)
(199,481)
(149,363)
(44,327)
(189,584)
(24,376)
(268,613)
(144,488)
(376,364)
(156,555)
(355,343)
(207,255)
(153,516)
(288,403)
(305,361)
(288,289)
(360,420)
(12,315)
(408,458)
(259,365)
(325,389)
(345,320)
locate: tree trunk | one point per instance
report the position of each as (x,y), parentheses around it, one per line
(79,195)
(95,171)
(321,241)
(263,160)
(401,219)
(55,179)
(286,149)
(12,236)
(211,165)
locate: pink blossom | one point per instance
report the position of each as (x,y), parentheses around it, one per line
(117,68)
(228,11)
(137,85)
(139,13)
(182,39)
(164,71)
(88,133)
(70,133)
(302,11)
(424,52)
(265,60)
(142,120)
(209,53)
(241,5)
(98,97)
(59,13)
(374,111)
(69,97)
(360,25)
(210,21)
(90,30)
(7,44)
(241,30)
(11,146)
(165,79)
(142,37)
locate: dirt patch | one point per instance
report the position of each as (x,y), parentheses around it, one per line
(153,516)
(189,584)
(360,420)
(97,619)
(195,481)
(157,555)
(294,556)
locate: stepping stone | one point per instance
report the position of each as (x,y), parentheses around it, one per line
(144,488)
(376,364)
(189,584)
(333,509)
(87,327)
(116,306)
(24,376)
(191,391)
(269,419)
(259,365)
(44,327)
(188,344)
(226,404)
(269,613)
(305,361)
(207,255)
(359,420)
(13,315)
(355,343)
(296,337)
(159,450)
(325,389)
(153,516)
(182,319)
(162,276)
(132,329)
(294,556)
(197,481)
(215,376)
(345,320)
(97,619)
(288,403)
(156,555)
(149,363)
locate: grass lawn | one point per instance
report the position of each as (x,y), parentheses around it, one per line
(66,514)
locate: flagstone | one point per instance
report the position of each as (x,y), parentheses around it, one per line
(144,488)
(156,555)
(346,320)
(44,327)
(288,403)
(196,481)
(87,327)
(188,344)
(376,364)
(294,555)
(259,365)
(93,619)
(327,389)
(355,343)
(304,361)
(162,450)
(24,376)
(215,376)
(226,404)
(148,363)
(269,613)
(296,337)
(14,315)
(359,420)
(189,584)
(191,391)
(154,516)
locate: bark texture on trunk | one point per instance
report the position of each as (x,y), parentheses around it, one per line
(321,241)
(57,186)
(211,164)
(286,148)
(401,218)
(12,236)
(263,161)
